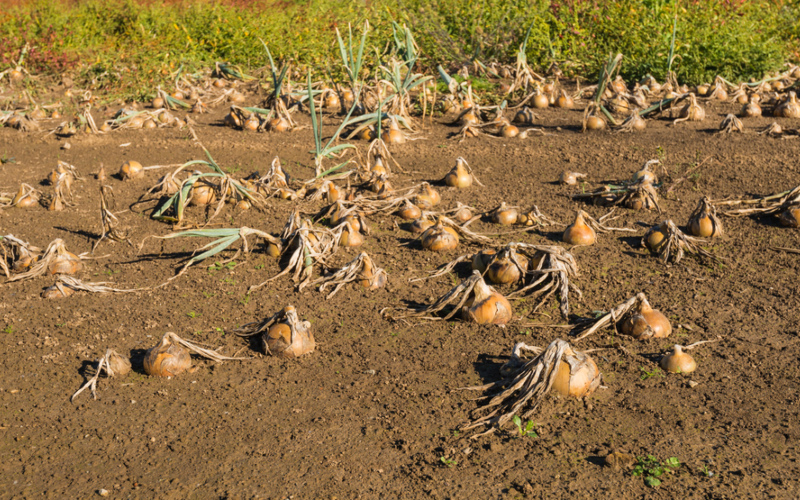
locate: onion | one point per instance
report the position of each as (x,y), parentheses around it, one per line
(579,233)
(565,101)
(149,124)
(409,211)
(350,236)
(331,100)
(488,306)
(618,85)
(505,215)
(289,338)
(370,279)
(791,217)
(463,213)
(236,97)
(540,101)
(395,135)
(459,177)
(131,169)
(469,118)
(571,178)
(645,174)
(25,198)
(678,361)
(378,168)
(420,225)
(647,323)
(65,262)
(594,122)
(577,375)
(279,124)
(167,359)
(702,89)
(692,111)
(57,292)
(704,222)
(751,109)
(158,103)
(655,237)
(789,108)
(201,194)
(481,259)
(504,271)
(252,123)
(219,83)
(524,116)
(508,131)
(439,238)
(427,198)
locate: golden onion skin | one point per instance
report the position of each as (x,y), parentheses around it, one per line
(166,359)
(678,361)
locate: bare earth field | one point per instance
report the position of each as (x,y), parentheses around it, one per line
(372,412)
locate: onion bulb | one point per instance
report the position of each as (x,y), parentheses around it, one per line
(26,197)
(751,109)
(505,215)
(202,194)
(65,262)
(439,238)
(678,361)
(508,131)
(369,278)
(656,236)
(524,116)
(289,338)
(409,211)
(704,222)
(646,323)
(459,177)
(505,271)
(618,85)
(420,225)
(131,169)
(579,233)
(565,101)
(279,124)
(481,259)
(692,111)
(463,213)
(571,178)
(350,236)
(488,306)
(395,135)
(469,118)
(594,122)
(789,108)
(540,101)
(791,217)
(577,375)
(57,292)
(167,359)
(427,198)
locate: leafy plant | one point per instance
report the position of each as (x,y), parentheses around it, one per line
(656,372)
(448,461)
(526,431)
(652,470)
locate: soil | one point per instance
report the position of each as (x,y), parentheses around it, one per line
(374,412)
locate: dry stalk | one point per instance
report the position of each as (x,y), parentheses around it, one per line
(56,251)
(99,287)
(612,318)
(109,220)
(103,366)
(674,244)
(523,389)
(730,124)
(361,269)
(309,246)
(764,205)
(459,294)
(638,195)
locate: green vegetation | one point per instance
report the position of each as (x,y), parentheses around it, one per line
(652,470)
(129,48)
(527,430)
